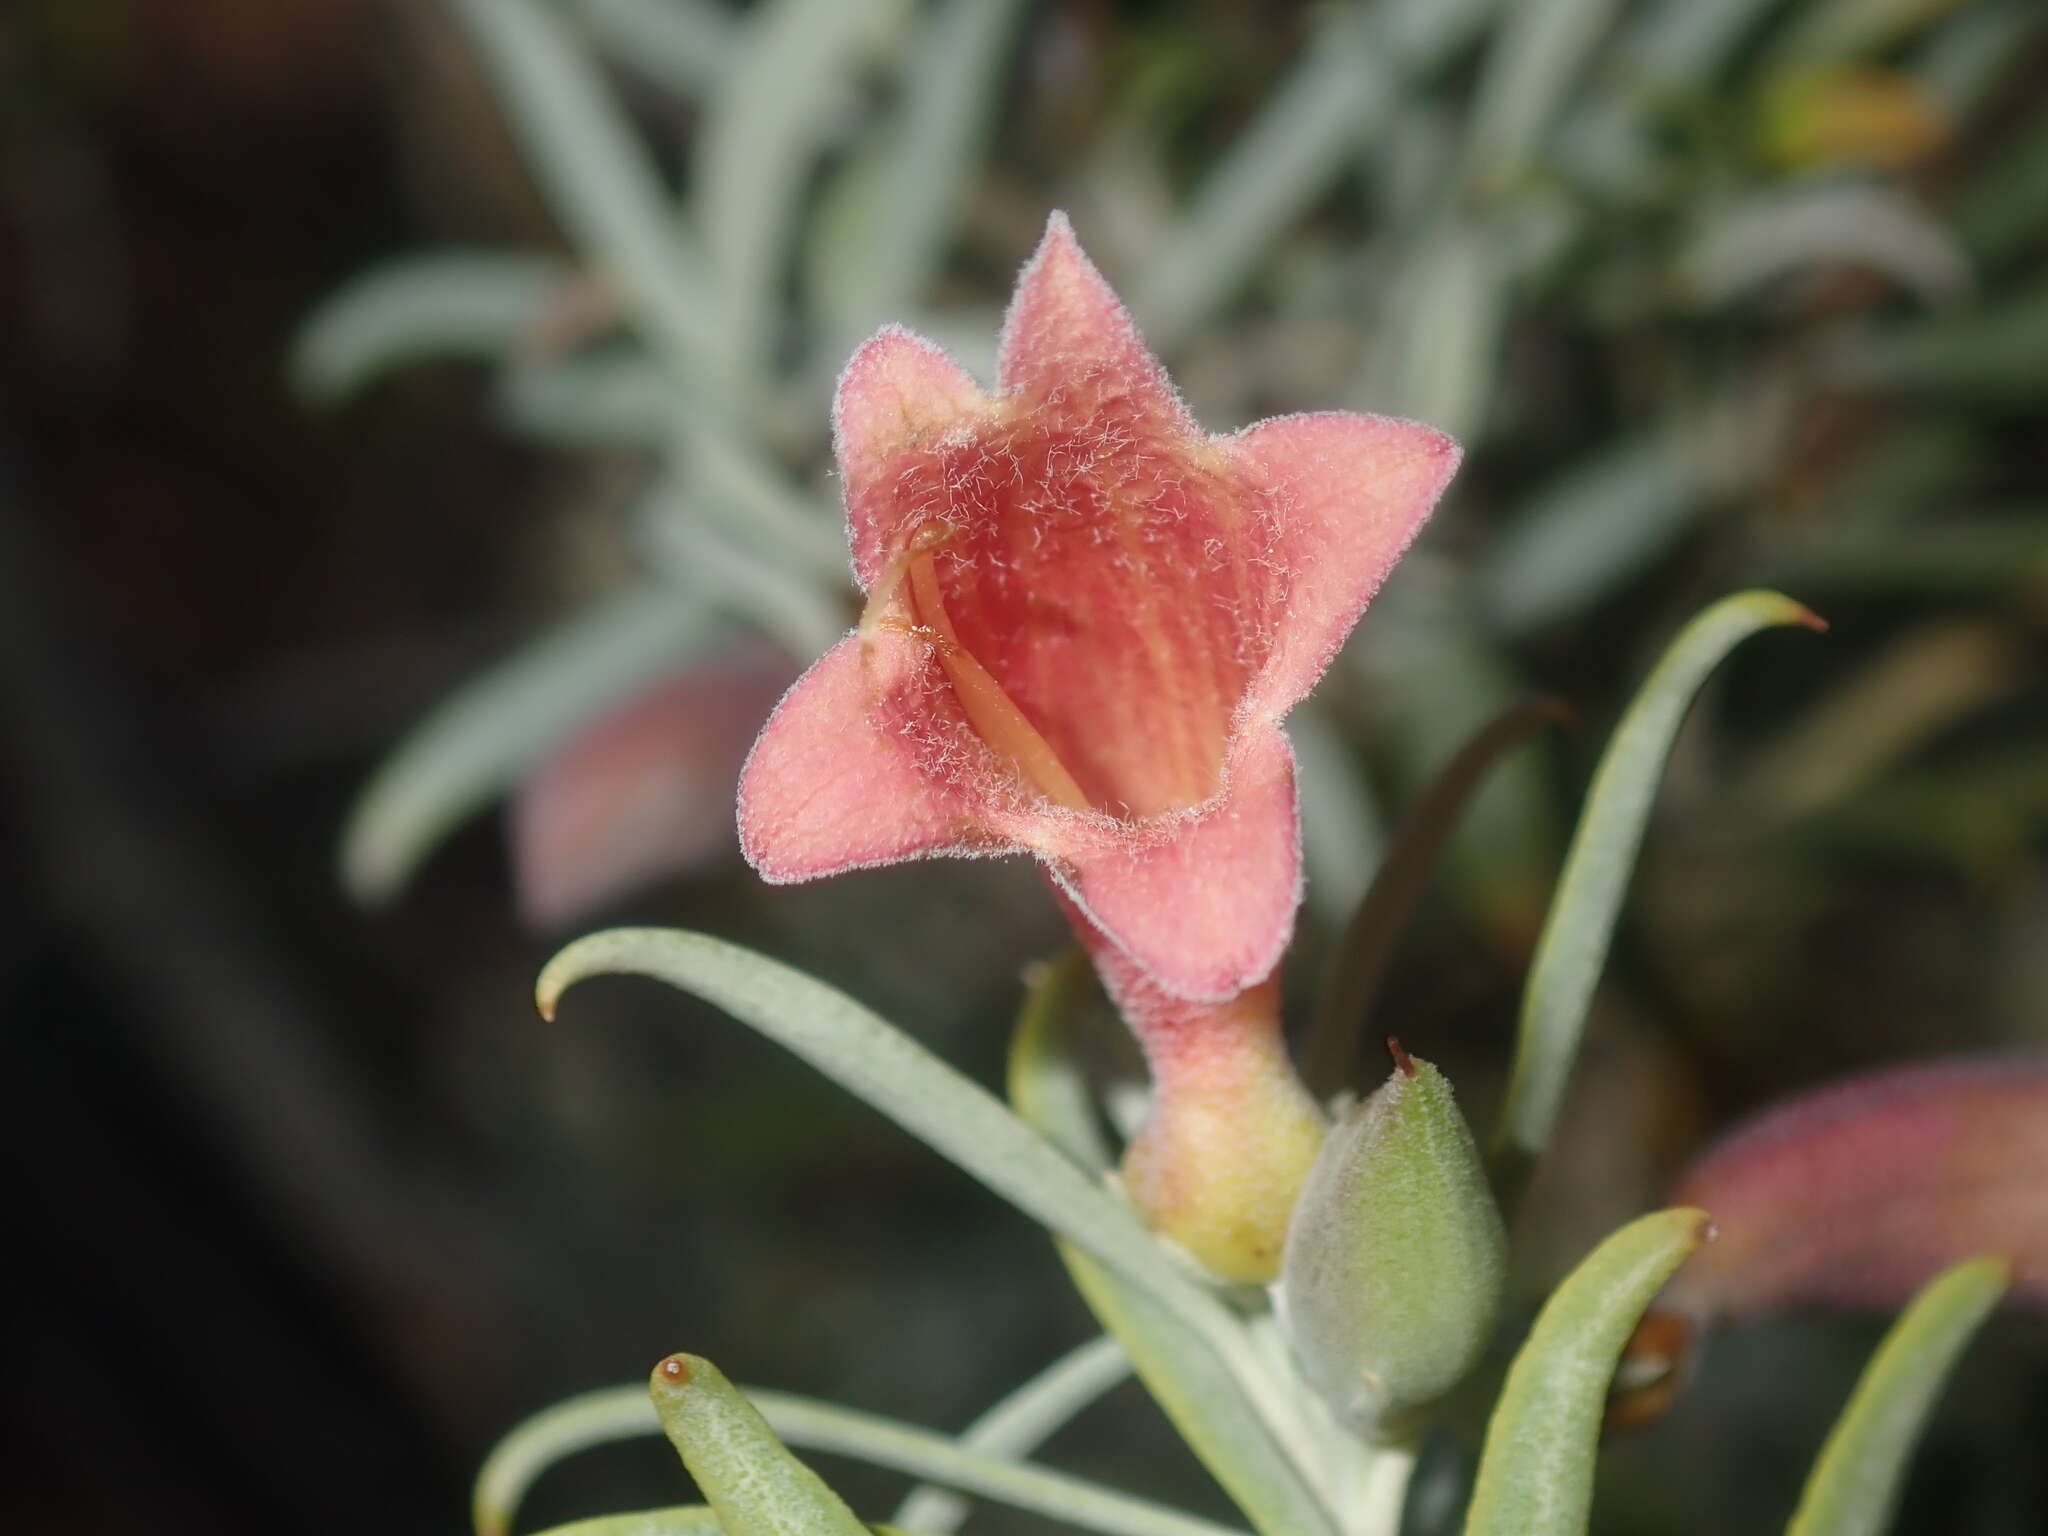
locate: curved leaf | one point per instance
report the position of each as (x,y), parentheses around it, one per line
(473,304)
(886,1443)
(1856,1481)
(1536,1471)
(554,1434)
(479,741)
(751,1479)
(625,1413)
(1192,1385)
(676,1520)
(1573,948)
(596,174)
(794,65)
(878,1063)
(1018,1424)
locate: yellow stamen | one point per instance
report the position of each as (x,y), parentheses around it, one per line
(992,712)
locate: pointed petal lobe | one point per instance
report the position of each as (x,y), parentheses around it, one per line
(899,394)
(1068,341)
(1205,903)
(1352,492)
(828,789)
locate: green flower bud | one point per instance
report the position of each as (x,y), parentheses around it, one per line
(1395,1255)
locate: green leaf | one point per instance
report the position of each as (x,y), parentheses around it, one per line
(1017,1425)
(1439,330)
(1186,1377)
(935,1458)
(1538,54)
(1302,140)
(1395,1257)
(624,1413)
(685,46)
(751,1479)
(1536,1471)
(1855,1483)
(1773,234)
(677,1520)
(598,177)
(479,741)
(554,1434)
(788,90)
(605,398)
(912,199)
(469,304)
(1579,537)
(1573,948)
(878,1063)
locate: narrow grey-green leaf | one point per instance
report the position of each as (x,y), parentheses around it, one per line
(1017,1425)
(935,1458)
(1573,947)
(556,1433)
(918,191)
(881,1065)
(683,45)
(789,88)
(1300,142)
(1775,234)
(1395,1256)
(750,1477)
(1855,1483)
(1536,1470)
(596,174)
(1191,1384)
(677,1520)
(1578,537)
(468,304)
(471,747)
(1538,54)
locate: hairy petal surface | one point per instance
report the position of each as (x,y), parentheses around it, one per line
(1352,491)
(1203,904)
(830,786)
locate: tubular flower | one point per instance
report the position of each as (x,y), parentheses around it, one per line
(1085,620)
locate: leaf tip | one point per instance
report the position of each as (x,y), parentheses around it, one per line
(675,1371)
(1402,1060)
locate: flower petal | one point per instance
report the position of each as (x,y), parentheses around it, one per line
(1203,903)
(897,395)
(827,788)
(1068,342)
(1859,1193)
(642,794)
(1352,492)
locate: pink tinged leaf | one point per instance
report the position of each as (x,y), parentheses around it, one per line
(643,794)
(1068,343)
(1203,903)
(1858,1194)
(898,396)
(830,786)
(1352,492)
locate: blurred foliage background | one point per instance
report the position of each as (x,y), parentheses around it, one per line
(381,370)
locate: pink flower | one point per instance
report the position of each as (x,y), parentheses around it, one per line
(1085,620)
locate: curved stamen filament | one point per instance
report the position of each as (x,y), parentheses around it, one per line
(992,712)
